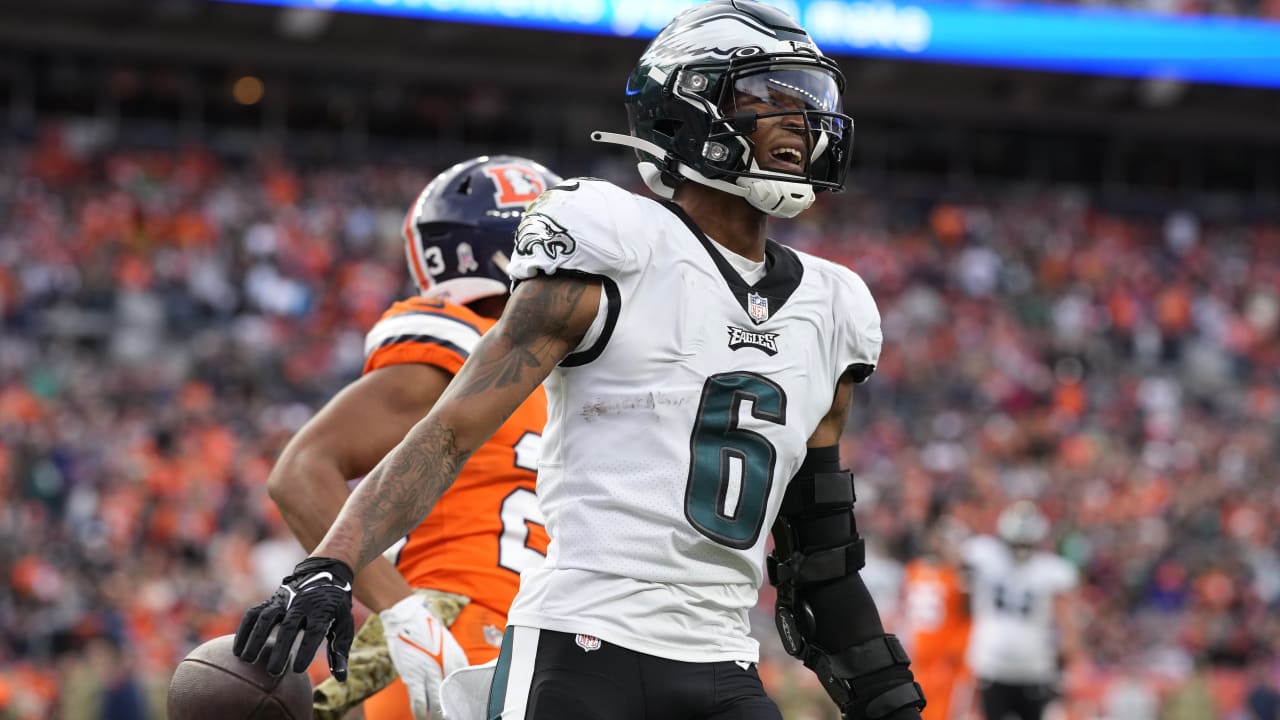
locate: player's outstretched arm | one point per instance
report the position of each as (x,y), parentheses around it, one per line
(545,319)
(825,614)
(346,439)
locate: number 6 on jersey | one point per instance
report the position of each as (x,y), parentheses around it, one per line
(731,468)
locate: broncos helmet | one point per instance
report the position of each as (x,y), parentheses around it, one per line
(682,95)
(461,228)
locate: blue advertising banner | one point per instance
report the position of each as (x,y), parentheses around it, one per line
(1018,35)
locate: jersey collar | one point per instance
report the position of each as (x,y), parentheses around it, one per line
(763,300)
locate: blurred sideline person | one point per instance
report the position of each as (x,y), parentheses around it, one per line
(463,560)
(1023,605)
(937,622)
(699,378)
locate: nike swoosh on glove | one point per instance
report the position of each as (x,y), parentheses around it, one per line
(423,652)
(316,601)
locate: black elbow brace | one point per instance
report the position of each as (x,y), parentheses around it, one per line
(816,557)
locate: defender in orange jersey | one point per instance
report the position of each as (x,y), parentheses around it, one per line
(937,623)
(442,593)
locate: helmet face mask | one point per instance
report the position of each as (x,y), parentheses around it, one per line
(709,85)
(460,229)
(800,101)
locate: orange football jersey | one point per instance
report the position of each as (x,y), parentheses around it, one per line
(937,615)
(486,528)
(937,625)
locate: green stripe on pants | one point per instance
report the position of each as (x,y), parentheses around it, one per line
(498,691)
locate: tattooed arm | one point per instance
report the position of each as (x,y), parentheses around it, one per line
(544,320)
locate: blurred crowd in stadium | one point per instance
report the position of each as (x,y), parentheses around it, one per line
(167,319)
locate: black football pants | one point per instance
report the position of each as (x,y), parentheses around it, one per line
(1001,701)
(546,675)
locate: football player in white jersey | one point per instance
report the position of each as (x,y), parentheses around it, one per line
(699,377)
(1023,623)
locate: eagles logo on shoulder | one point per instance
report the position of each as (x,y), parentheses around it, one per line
(538,230)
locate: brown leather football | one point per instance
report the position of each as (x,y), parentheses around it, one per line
(213,684)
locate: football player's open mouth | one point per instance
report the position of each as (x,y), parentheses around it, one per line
(785,158)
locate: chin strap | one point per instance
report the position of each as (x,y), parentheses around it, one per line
(782,197)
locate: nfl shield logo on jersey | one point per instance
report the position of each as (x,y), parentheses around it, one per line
(758,306)
(493,635)
(587,642)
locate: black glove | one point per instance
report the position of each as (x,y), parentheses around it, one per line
(315,599)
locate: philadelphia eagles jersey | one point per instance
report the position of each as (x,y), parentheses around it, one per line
(674,430)
(1013,639)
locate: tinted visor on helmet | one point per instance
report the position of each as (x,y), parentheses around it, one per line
(800,97)
(792,89)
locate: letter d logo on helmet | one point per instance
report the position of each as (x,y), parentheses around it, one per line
(687,99)
(517,185)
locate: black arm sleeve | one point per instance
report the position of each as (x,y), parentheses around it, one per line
(844,613)
(826,616)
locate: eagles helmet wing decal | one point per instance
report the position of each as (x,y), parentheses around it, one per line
(538,230)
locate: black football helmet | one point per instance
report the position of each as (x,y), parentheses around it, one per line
(683,103)
(459,232)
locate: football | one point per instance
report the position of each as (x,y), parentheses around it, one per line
(213,684)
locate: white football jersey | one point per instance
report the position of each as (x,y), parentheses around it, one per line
(1013,638)
(671,437)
